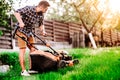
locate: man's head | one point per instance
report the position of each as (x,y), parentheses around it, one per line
(42,6)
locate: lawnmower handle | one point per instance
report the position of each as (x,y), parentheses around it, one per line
(15,30)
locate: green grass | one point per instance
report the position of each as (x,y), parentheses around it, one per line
(98,64)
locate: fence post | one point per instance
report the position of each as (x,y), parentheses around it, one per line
(54,31)
(82,39)
(74,40)
(12,40)
(78,40)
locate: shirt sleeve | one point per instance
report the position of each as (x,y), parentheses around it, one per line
(23,10)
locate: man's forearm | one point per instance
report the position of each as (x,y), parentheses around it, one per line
(18,17)
(42,28)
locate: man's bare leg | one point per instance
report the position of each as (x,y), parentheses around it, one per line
(30,63)
(22,62)
(31,50)
(21,58)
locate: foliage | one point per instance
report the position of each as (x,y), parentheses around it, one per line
(62,11)
(98,64)
(117,26)
(10,58)
(1,33)
(5,8)
(94,13)
(65,9)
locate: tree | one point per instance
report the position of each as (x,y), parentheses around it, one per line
(62,11)
(90,13)
(5,7)
(84,12)
(117,26)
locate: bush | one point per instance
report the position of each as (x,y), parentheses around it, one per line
(9,58)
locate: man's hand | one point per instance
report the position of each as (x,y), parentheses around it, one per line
(44,33)
(42,29)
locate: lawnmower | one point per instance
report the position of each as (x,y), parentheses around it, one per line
(43,61)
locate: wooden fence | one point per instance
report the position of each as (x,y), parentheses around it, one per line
(109,37)
(78,40)
(56,31)
(60,32)
(65,32)
(5,39)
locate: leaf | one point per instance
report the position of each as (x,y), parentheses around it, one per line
(1,33)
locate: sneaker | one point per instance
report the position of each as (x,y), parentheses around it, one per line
(25,73)
(30,71)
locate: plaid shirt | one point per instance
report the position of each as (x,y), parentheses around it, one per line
(30,17)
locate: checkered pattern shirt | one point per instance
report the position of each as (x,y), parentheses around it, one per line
(30,17)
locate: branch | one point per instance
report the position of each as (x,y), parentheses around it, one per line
(96,21)
(95,7)
(84,25)
(83,1)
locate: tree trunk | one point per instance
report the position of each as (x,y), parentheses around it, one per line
(111,44)
(85,26)
(92,40)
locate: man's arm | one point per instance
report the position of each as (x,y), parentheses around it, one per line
(19,19)
(42,29)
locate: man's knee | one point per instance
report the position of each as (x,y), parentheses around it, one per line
(32,50)
(22,50)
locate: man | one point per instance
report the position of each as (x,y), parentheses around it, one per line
(29,17)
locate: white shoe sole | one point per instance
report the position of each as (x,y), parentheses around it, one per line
(32,72)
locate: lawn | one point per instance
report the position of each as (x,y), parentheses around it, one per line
(95,64)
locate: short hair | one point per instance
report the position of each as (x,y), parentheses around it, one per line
(44,3)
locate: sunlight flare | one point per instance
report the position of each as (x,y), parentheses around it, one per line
(114,5)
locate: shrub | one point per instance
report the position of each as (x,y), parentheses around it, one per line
(10,58)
